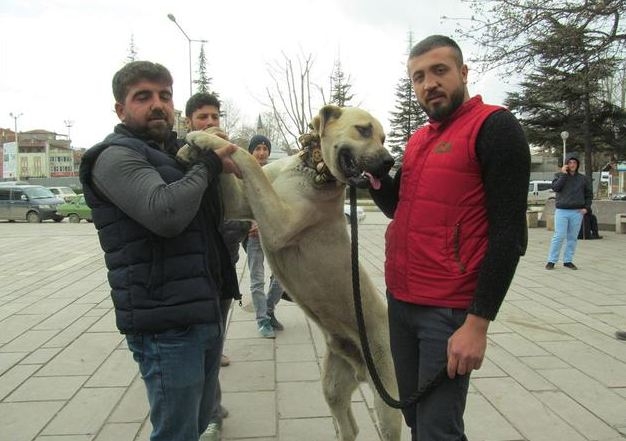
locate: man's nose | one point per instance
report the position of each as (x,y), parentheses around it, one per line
(430,82)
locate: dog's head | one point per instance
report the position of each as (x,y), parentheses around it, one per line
(352,145)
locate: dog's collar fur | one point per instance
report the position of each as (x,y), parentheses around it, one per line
(311,157)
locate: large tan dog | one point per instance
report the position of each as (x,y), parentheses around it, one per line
(298,207)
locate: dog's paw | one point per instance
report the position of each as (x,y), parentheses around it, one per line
(207,141)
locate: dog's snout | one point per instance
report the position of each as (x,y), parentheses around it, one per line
(388,162)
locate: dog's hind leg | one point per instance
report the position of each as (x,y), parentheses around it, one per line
(339,382)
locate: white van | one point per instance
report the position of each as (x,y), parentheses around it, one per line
(539,192)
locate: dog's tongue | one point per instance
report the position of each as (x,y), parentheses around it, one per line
(374,182)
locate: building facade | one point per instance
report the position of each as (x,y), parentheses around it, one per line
(39,154)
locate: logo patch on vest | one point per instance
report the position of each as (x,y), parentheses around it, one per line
(443,147)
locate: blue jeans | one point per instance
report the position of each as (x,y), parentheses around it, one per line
(262,304)
(179,368)
(419,341)
(566,227)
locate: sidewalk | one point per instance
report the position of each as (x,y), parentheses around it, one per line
(554,370)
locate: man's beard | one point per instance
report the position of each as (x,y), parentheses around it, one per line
(442,112)
(157,130)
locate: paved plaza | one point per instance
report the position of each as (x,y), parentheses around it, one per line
(554,370)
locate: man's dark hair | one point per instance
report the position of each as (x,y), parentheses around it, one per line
(433,42)
(136,71)
(201,99)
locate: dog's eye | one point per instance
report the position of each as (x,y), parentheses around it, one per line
(365,131)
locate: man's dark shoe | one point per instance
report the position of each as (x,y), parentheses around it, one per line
(620,335)
(278,326)
(550,265)
(570,265)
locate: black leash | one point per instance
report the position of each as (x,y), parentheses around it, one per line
(358,308)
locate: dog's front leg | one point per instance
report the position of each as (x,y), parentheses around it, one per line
(280,222)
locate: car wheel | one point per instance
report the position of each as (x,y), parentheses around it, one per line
(33,217)
(74,218)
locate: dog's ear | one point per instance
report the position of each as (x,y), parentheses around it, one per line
(327,113)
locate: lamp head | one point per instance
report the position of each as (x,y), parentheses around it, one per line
(171,17)
(564,135)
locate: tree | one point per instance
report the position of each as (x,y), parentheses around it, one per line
(291,98)
(551,101)
(203,82)
(405,120)
(340,86)
(582,38)
(132,50)
(407,116)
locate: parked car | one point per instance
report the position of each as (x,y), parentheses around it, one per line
(12,183)
(618,197)
(75,210)
(360,213)
(65,193)
(32,203)
(539,192)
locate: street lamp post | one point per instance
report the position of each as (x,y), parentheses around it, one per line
(15,117)
(69,123)
(189,40)
(564,136)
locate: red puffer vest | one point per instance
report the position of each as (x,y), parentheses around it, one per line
(438,237)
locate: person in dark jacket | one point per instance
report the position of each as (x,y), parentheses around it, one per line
(202,111)
(573,200)
(158,224)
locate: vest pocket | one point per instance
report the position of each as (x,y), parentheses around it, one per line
(155,277)
(456,247)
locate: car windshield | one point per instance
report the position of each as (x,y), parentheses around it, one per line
(38,193)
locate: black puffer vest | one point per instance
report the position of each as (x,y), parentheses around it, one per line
(157,283)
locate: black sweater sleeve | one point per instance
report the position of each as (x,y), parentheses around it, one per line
(386,197)
(504,158)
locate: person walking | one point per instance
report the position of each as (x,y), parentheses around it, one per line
(458,209)
(158,224)
(264,305)
(573,200)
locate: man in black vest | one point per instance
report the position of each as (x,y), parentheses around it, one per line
(158,224)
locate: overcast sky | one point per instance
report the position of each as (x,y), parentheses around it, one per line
(57,57)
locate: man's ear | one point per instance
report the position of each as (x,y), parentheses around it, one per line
(188,124)
(119,110)
(326,114)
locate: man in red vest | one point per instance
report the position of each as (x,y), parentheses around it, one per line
(458,206)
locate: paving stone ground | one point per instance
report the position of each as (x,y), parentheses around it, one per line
(554,370)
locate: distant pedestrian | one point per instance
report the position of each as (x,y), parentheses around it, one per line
(573,200)
(260,147)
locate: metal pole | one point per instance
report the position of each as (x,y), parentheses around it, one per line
(15,116)
(190,77)
(189,40)
(564,136)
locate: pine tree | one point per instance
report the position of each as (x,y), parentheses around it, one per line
(340,87)
(204,81)
(132,50)
(406,118)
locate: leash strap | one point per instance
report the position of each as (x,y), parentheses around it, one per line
(358,308)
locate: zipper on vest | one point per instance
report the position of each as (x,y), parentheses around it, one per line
(457,248)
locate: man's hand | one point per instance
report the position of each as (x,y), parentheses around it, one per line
(228,165)
(466,347)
